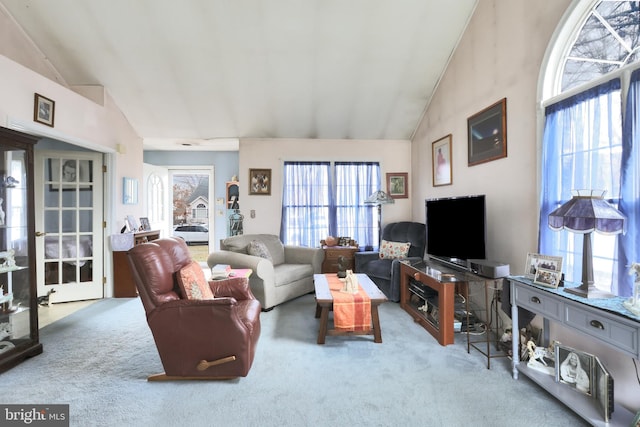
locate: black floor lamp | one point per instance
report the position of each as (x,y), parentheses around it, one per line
(379,198)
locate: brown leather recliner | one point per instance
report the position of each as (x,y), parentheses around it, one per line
(196,339)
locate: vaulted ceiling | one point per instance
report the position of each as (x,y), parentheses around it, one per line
(205,70)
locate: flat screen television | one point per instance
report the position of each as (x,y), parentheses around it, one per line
(456,229)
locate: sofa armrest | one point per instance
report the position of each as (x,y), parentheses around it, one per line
(304,255)
(259,265)
(361,258)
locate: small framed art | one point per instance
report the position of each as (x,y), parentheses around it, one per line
(44,110)
(398,185)
(441,161)
(260,182)
(548,278)
(144,224)
(129,191)
(536,261)
(603,382)
(487,134)
(132,224)
(574,368)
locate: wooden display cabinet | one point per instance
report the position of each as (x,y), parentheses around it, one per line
(18,293)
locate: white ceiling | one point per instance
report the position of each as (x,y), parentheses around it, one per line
(209,70)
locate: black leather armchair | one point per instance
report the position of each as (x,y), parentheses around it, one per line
(385,273)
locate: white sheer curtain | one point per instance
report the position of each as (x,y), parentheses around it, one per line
(314,206)
(582,146)
(629,243)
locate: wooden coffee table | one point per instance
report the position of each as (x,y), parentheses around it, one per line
(324,304)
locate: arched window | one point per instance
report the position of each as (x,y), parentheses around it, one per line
(587,143)
(156,205)
(608,39)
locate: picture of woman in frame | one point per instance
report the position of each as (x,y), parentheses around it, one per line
(573,374)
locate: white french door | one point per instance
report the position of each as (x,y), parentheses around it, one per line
(69,232)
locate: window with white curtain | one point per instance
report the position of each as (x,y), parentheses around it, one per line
(591,139)
(325,198)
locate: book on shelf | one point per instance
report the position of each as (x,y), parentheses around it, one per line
(220,271)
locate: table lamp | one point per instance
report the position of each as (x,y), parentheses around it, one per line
(587,211)
(379,198)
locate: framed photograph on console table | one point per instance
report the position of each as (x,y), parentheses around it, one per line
(603,382)
(575,369)
(487,134)
(548,278)
(536,261)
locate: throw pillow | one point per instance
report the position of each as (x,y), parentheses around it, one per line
(257,248)
(394,250)
(192,282)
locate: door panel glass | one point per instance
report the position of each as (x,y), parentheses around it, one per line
(69,222)
(69,198)
(86,221)
(51,222)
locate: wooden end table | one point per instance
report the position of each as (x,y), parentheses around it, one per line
(332,256)
(324,304)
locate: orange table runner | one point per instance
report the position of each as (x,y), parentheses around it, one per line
(351,312)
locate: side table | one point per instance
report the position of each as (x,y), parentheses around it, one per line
(332,255)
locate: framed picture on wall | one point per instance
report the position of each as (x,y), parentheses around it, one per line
(260,182)
(44,110)
(398,185)
(487,134)
(441,161)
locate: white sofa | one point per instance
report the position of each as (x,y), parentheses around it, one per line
(290,275)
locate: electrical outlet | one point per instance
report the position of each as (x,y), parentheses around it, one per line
(252,213)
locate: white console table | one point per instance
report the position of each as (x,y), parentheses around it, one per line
(605,321)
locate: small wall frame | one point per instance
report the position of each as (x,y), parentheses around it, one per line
(441,161)
(129,191)
(260,182)
(398,185)
(44,110)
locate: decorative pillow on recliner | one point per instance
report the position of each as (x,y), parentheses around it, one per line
(193,283)
(394,250)
(257,248)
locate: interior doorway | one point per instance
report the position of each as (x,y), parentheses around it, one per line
(192,208)
(69,233)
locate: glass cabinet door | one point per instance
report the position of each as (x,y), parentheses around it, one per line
(18,305)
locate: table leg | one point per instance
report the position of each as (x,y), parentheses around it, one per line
(318,309)
(324,320)
(377,333)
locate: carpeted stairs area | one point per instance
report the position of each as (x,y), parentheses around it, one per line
(97,360)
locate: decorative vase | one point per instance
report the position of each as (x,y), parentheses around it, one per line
(331,241)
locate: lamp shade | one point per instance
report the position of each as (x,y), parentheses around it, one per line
(379,198)
(587,211)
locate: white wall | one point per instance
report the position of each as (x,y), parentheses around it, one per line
(500,55)
(394,156)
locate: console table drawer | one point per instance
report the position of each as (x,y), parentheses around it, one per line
(533,300)
(619,335)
